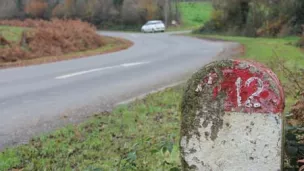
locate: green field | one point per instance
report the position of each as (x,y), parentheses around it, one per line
(193,14)
(11,33)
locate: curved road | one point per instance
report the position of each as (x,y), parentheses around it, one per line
(39,98)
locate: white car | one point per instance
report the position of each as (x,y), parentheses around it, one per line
(153,26)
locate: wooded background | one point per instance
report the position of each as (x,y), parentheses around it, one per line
(257,17)
(129,12)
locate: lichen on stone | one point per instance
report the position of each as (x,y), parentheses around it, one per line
(193,104)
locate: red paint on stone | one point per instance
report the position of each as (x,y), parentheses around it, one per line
(264,94)
(247,88)
(215,92)
(272,74)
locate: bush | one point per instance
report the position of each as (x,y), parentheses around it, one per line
(294,148)
(50,38)
(294,135)
(294,128)
(13,54)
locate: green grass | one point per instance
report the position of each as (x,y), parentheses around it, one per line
(11,33)
(264,50)
(194,14)
(141,136)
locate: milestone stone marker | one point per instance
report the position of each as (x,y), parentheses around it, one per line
(231,118)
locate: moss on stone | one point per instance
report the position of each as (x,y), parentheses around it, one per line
(192,103)
(200,108)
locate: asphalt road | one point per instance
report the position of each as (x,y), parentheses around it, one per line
(39,98)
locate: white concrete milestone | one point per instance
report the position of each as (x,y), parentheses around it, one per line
(229,124)
(240,146)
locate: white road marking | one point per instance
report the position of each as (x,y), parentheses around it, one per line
(132,64)
(99,69)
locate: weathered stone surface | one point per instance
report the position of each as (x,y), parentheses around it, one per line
(231,118)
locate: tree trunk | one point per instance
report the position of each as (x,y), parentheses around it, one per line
(166,12)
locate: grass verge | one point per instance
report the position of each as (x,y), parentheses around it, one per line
(11,33)
(264,50)
(112,45)
(143,135)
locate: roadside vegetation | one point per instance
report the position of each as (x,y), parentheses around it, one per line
(23,42)
(141,136)
(9,33)
(46,38)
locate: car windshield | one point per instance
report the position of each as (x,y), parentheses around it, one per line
(153,22)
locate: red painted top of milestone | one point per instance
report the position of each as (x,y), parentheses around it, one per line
(250,87)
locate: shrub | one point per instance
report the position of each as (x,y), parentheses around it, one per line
(298,112)
(13,54)
(294,132)
(50,38)
(294,136)
(272,28)
(3,41)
